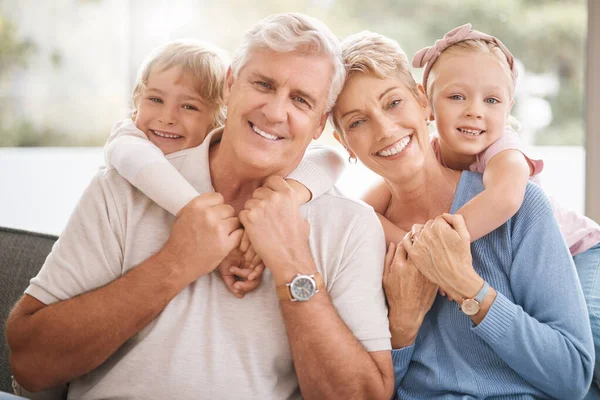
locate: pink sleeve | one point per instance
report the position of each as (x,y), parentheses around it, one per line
(509,141)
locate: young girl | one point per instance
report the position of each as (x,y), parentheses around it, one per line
(178,100)
(469,80)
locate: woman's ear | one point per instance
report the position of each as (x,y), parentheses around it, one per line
(341,140)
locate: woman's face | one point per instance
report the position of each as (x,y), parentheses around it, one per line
(384,124)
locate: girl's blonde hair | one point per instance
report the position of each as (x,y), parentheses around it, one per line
(477,46)
(374,54)
(203,63)
(471,46)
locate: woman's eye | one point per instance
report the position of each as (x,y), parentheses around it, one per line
(155,100)
(355,124)
(456,97)
(491,100)
(394,103)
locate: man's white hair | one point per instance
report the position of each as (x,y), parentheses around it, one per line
(290,32)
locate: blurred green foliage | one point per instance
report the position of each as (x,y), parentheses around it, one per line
(546,35)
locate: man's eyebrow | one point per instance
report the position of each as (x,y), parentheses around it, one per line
(264,78)
(308,96)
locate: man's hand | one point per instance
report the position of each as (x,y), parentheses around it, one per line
(409,294)
(205,231)
(277,231)
(441,251)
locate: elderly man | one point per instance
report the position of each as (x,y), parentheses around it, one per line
(127,306)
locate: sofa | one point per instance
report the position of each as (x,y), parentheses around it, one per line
(22,254)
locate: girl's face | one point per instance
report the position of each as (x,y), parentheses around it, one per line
(471,101)
(384,124)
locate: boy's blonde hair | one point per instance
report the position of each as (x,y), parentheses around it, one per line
(469,47)
(374,54)
(203,63)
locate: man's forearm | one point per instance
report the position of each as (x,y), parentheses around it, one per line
(54,344)
(329,360)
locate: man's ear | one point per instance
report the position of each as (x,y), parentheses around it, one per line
(341,140)
(229,79)
(321,126)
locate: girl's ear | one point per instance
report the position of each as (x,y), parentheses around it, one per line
(134,115)
(341,140)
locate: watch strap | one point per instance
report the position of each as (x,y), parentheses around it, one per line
(482,292)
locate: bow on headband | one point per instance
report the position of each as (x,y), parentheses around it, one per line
(427,56)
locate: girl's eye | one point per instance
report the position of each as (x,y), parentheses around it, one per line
(457,97)
(190,107)
(492,100)
(155,100)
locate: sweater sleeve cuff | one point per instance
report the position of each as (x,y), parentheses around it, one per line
(311,177)
(499,317)
(401,358)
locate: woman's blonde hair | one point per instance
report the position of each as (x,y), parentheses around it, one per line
(374,54)
(203,63)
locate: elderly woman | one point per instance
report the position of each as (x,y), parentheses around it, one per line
(521,328)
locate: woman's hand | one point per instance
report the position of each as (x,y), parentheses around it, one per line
(441,251)
(409,295)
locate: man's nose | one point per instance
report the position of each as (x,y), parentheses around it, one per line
(275,109)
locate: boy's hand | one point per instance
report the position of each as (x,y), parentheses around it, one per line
(242,269)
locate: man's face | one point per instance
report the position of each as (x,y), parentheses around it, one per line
(275,107)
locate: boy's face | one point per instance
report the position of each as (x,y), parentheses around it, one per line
(171,113)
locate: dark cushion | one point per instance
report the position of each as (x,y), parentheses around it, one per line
(22,254)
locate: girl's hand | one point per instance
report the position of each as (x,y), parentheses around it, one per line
(442,253)
(409,294)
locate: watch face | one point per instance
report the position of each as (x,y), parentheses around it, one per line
(470,307)
(303,288)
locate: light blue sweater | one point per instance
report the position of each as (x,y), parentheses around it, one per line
(535,340)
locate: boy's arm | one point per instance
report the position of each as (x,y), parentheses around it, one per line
(144,165)
(505,179)
(317,173)
(378,197)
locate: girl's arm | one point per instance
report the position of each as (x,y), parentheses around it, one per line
(144,165)
(505,179)
(378,197)
(317,173)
